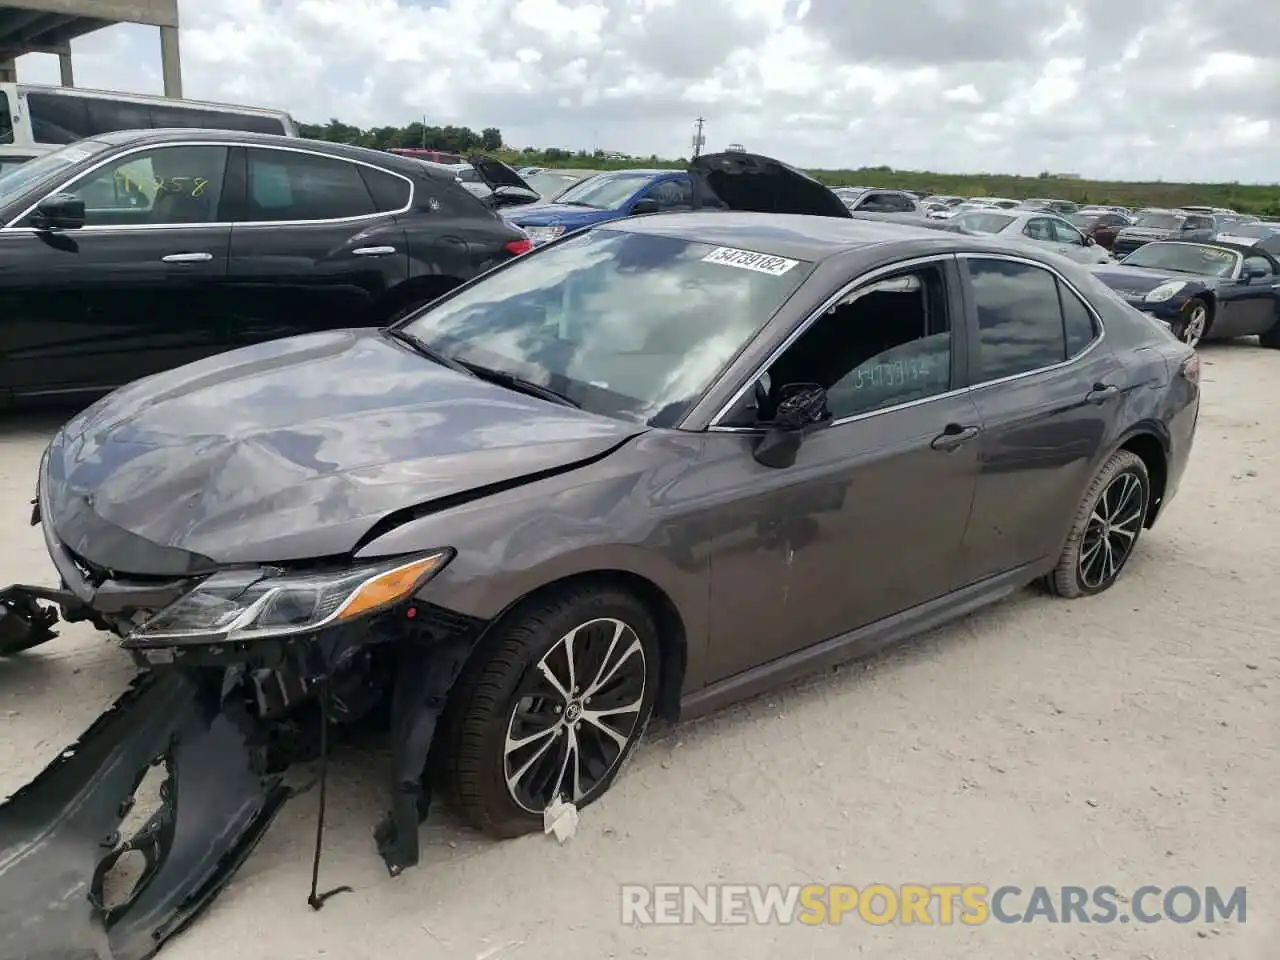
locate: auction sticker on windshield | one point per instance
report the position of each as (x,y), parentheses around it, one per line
(747,260)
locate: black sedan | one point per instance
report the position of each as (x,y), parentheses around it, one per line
(1203,291)
(648,470)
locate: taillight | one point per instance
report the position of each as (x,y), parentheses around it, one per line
(1191,368)
(517,247)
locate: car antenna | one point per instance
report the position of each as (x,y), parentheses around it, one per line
(317,900)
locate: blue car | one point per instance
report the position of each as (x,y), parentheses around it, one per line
(605,197)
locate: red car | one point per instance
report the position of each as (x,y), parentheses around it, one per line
(1100,226)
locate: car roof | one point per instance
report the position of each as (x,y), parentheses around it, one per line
(391,161)
(796,236)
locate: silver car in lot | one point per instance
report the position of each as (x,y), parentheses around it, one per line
(1035,226)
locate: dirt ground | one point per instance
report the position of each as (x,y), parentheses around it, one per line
(1128,739)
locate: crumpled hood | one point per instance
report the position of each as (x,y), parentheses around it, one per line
(547,214)
(1136,280)
(292,449)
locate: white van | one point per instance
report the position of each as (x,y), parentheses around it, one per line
(35,119)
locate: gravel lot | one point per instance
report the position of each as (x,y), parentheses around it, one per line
(1127,739)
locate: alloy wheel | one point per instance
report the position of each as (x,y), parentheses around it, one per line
(575,715)
(1111,531)
(1194,326)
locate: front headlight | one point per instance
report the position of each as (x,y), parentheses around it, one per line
(251,604)
(1166,291)
(541,235)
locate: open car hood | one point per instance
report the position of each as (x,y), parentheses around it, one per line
(753,183)
(497,174)
(293,449)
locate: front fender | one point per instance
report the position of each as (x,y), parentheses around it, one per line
(636,511)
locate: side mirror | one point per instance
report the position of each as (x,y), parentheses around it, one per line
(644,205)
(1090,242)
(1253,273)
(62,211)
(803,405)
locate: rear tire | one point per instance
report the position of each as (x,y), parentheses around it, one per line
(1105,530)
(516,739)
(1193,323)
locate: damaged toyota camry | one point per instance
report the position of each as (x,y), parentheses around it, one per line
(644,471)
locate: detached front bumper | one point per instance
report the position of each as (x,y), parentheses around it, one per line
(59,839)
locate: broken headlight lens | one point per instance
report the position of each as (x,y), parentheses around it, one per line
(251,604)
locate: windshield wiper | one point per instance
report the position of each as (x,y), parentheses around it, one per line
(420,346)
(510,380)
(579,203)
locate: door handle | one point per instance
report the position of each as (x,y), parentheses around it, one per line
(953,436)
(1101,393)
(373,251)
(188,258)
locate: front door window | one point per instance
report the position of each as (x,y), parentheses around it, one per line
(165,185)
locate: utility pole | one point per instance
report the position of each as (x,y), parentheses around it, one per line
(698,138)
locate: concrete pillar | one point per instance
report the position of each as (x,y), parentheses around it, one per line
(171,61)
(8,71)
(68,74)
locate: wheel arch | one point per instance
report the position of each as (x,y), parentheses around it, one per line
(673,638)
(1210,298)
(1149,442)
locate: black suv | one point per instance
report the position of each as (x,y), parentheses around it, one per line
(134,252)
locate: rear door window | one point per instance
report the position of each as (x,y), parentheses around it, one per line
(288,186)
(1020,324)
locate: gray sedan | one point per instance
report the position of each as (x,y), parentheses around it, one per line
(647,470)
(1036,227)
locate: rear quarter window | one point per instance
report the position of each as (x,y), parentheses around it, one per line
(390,193)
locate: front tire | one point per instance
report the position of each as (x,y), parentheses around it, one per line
(1193,322)
(551,706)
(1106,528)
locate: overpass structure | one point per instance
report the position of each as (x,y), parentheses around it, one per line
(49,26)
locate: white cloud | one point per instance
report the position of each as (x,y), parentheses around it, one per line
(1108,89)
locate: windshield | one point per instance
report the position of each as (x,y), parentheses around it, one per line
(12,163)
(15,182)
(628,325)
(1200,259)
(1159,221)
(608,191)
(983,222)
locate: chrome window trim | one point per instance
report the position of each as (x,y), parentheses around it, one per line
(227,144)
(1100,333)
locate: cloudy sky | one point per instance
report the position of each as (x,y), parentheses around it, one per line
(1124,89)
